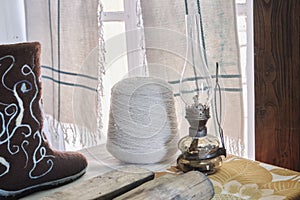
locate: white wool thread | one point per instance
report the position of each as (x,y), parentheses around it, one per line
(142,123)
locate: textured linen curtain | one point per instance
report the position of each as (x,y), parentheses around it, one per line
(72,63)
(165,42)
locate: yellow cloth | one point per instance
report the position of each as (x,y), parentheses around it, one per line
(240,178)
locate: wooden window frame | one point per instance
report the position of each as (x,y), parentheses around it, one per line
(246,9)
(133,37)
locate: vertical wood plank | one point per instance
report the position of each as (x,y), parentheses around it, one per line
(277,82)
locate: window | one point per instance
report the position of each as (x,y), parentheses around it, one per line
(123,36)
(120,17)
(245,28)
(124,56)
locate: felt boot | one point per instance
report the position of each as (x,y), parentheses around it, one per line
(27,163)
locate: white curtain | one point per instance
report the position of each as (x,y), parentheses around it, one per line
(165,42)
(72,66)
(72,59)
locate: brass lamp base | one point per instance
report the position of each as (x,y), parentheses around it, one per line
(207,166)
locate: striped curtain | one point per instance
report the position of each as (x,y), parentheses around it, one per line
(72,65)
(165,42)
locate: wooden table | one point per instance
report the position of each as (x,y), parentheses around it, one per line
(238,178)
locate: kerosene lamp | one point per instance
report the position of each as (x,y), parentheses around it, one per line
(200,150)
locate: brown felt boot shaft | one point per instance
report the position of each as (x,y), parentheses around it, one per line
(26,160)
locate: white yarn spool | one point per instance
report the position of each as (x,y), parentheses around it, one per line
(142,123)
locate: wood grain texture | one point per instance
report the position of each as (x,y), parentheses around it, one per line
(277,82)
(106,186)
(191,185)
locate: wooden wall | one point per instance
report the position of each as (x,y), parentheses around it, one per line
(277,82)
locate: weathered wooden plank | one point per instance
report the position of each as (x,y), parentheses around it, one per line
(191,185)
(106,186)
